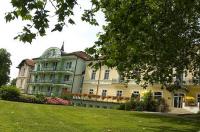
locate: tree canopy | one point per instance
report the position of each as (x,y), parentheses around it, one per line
(38,13)
(5,63)
(150,40)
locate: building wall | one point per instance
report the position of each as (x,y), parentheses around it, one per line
(57,85)
(23,77)
(78,75)
(112,85)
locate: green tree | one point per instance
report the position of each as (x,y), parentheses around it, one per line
(5,63)
(13,82)
(39,12)
(144,39)
(151,40)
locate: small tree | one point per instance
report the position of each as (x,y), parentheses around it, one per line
(13,82)
(5,63)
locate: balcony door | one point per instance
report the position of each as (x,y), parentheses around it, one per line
(55,66)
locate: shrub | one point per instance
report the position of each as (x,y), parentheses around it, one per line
(125,106)
(128,106)
(57,101)
(149,103)
(67,96)
(27,98)
(40,99)
(162,105)
(9,93)
(140,106)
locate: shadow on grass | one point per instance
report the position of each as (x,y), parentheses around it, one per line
(170,123)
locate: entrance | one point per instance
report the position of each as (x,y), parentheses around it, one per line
(178,100)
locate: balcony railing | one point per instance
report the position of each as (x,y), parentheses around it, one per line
(52,82)
(53,69)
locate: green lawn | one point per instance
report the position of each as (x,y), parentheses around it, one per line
(24,117)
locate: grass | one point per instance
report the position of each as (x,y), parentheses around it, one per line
(24,117)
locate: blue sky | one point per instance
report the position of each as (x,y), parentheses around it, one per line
(76,37)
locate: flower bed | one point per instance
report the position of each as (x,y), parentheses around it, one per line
(57,101)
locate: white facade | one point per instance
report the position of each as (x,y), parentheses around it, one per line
(25,67)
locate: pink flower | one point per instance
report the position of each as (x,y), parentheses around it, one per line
(57,101)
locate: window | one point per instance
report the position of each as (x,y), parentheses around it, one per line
(55,66)
(36,78)
(34,89)
(91,91)
(43,78)
(53,52)
(104,92)
(93,75)
(198,98)
(106,75)
(66,78)
(119,93)
(22,71)
(45,65)
(38,67)
(135,94)
(157,95)
(49,89)
(39,89)
(52,77)
(57,91)
(68,65)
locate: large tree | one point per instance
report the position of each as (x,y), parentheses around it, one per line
(150,40)
(5,63)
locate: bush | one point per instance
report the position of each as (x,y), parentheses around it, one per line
(57,101)
(27,98)
(149,103)
(125,106)
(9,93)
(139,106)
(67,96)
(40,99)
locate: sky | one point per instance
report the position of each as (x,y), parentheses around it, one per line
(75,37)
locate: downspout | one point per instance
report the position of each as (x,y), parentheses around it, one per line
(74,75)
(98,80)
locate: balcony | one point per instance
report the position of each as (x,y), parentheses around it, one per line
(51,82)
(53,69)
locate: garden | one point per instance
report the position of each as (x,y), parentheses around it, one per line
(11,93)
